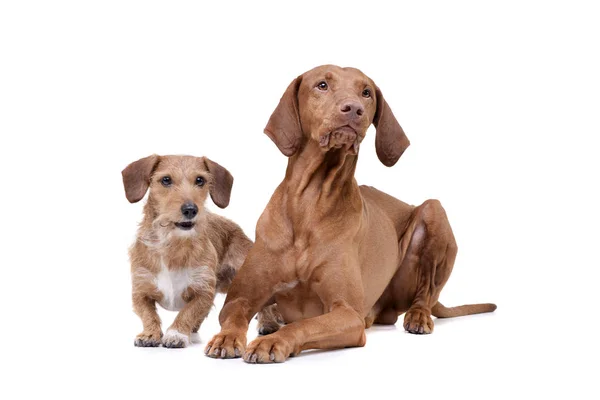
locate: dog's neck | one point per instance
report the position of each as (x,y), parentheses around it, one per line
(327,173)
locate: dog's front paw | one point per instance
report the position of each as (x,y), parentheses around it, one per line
(418,321)
(226,344)
(269,349)
(148,339)
(174,339)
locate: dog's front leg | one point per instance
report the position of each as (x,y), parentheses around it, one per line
(190,317)
(341,292)
(255,283)
(145,308)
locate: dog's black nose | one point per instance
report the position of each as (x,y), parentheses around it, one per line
(189,210)
(352,108)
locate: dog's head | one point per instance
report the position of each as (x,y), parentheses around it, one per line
(178,189)
(334,106)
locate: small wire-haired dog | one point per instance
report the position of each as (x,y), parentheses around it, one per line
(183,254)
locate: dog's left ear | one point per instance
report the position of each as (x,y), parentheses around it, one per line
(136,177)
(390,140)
(221,183)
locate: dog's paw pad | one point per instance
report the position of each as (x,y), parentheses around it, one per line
(418,321)
(174,339)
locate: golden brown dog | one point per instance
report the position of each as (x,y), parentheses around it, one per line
(334,256)
(183,254)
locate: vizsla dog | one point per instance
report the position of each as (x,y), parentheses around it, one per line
(183,254)
(334,256)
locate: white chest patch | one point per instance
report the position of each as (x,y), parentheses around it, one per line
(173,283)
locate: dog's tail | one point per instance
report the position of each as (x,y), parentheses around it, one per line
(441,311)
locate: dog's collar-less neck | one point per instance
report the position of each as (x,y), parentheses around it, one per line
(329,172)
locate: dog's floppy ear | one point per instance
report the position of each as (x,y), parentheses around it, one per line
(221,183)
(284,127)
(136,177)
(390,140)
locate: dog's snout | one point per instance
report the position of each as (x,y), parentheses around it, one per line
(189,210)
(352,108)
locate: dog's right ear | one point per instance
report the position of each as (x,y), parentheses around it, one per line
(284,127)
(136,177)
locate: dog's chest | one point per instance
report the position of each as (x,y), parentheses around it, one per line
(173,283)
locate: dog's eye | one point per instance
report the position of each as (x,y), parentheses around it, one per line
(322,85)
(366,93)
(200,181)
(166,181)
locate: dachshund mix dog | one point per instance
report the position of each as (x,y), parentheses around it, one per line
(183,254)
(334,256)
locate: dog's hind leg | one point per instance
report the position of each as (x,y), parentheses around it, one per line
(430,255)
(429,250)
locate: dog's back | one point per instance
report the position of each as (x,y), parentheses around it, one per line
(398,211)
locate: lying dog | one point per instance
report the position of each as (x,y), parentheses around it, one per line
(183,254)
(334,256)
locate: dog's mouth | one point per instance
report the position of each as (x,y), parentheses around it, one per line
(343,136)
(185,225)
(345,129)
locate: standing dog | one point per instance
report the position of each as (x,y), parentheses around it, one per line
(334,256)
(183,254)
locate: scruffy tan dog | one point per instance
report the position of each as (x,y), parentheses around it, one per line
(183,254)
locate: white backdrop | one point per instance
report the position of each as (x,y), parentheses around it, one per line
(500,102)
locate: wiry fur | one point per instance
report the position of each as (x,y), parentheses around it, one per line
(180,269)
